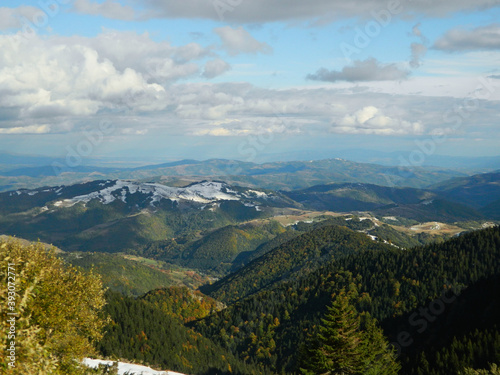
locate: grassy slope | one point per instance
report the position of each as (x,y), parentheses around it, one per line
(133,277)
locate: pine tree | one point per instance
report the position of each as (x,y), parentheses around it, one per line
(341,347)
(336,348)
(378,355)
(494,370)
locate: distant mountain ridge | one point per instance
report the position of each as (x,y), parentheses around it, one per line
(207,224)
(417,204)
(276,175)
(476,191)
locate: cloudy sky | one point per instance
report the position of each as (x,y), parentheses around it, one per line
(249,79)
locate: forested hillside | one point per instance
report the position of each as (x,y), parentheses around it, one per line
(465,333)
(134,276)
(113,216)
(274,278)
(142,331)
(388,282)
(296,257)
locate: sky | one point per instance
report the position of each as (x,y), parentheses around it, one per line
(249,79)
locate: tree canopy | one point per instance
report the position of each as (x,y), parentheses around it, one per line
(341,346)
(58,308)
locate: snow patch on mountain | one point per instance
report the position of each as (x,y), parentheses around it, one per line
(127,368)
(204,192)
(255,193)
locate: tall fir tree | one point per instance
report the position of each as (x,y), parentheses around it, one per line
(378,356)
(341,347)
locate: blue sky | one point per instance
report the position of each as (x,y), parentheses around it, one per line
(249,79)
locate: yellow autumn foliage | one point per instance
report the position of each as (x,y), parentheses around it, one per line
(58,312)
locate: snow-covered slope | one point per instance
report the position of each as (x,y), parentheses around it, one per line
(202,192)
(136,196)
(128,368)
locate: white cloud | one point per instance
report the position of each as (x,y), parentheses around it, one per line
(57,77)
(371,120)
(68,77)
(158,62)
(238,109)
(478,39)
(366,70)
(61,84)
(214,68)
(236,41)
(219,132)
(133,131)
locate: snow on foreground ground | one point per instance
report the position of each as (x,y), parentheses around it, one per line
(128,368)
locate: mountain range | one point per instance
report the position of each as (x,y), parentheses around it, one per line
(268,262)
(276,175)
(215,226)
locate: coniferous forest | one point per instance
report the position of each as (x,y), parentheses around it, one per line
(433,309)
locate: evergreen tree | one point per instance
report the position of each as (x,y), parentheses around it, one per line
(341,347)
(494,370)
(379,357)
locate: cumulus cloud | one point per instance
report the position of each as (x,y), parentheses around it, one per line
(263,126)
(242,109)
(109,9)
(61,84)
(480,38)
(58,78)
(221,132)
(214,68)
(366,70)
(371,120)
(238,40)
(72,76)
(158,62)
(258,11)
